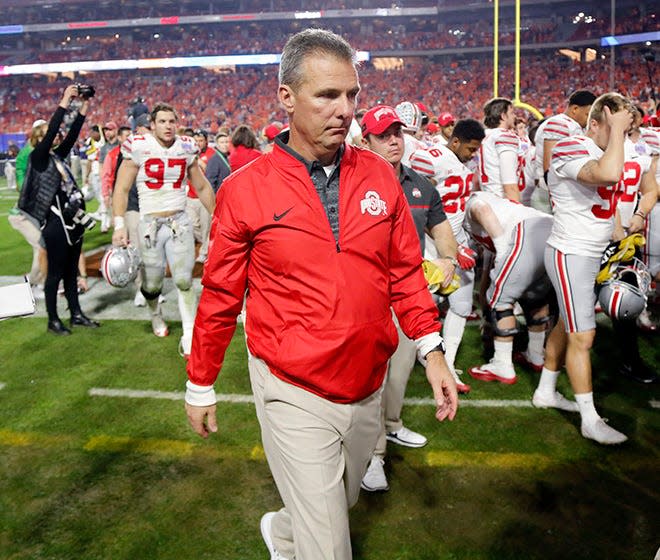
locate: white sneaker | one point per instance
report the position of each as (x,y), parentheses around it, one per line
(555,400)
(139,300)
(602,433)
(494,371)
(266,534)
(407,438)
(374,480)
(158,325)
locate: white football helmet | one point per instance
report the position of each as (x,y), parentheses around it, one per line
(623,296)
(120,266)
(411,116)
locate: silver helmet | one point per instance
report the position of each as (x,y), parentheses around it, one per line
(120,266)
(623,296)
(410,114)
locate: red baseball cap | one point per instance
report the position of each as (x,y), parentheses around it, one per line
(271,131)
(378,119)
(446,119)
(432,128)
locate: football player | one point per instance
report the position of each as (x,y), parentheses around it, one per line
(558,127)
(516,234)
(500,170)
(160,162)
(445,167)
(582,182)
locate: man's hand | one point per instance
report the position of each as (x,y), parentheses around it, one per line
(120,237)
(620,121)
(443,384)
(69,93)
(447,268)
(202,419)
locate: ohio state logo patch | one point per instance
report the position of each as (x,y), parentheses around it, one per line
(373,204)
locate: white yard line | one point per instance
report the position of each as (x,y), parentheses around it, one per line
(249,399)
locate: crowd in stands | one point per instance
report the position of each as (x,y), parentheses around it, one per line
(78,10)
(209,99)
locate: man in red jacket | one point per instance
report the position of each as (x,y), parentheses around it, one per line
(319,235)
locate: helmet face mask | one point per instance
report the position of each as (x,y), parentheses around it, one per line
(623,296)
(411,116)
(120,266)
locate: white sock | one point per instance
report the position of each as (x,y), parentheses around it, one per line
(452,332)
(153,305)
(503,352)
(187,310)
(548,382)
(587,408)
(535,345)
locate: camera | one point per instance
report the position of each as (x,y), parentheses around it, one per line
(84,219)
(85,91)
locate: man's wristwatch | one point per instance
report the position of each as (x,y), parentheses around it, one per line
(439,348)
(452,260)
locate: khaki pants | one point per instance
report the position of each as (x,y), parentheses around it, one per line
(399,369)
(32,235)
(201,222)
(318,452)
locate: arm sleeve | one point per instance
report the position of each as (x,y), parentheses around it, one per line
(225,283)
(65,147)
(39,155)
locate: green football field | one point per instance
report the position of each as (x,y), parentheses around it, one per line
(85,475)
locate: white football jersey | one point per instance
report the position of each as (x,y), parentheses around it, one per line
(410,146)
(162,171)
(509,214)
(584,215)
(636,164)
(496,143)
(557,127)
(453,181)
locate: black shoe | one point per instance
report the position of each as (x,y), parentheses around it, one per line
(58,328)
(639,371)
(80,320)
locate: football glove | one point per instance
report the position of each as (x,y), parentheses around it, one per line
(466,257)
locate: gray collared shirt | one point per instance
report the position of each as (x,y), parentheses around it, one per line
(327,186)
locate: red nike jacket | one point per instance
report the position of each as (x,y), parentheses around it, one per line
(318,309)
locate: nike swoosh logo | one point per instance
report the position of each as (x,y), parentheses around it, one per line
(278,217)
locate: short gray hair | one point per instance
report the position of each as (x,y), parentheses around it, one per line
(306,43)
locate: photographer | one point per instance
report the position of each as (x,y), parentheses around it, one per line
(51,196)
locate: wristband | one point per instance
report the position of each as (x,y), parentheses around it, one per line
(452,260)
(640,214)
(119,222)
(82,275)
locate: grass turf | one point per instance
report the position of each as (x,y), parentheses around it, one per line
(94,478)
